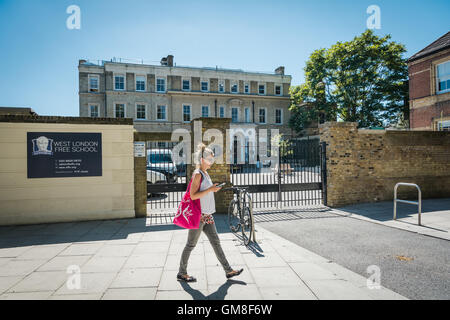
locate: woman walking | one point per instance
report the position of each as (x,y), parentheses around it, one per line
(204,192)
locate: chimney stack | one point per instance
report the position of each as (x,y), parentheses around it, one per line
(170,60)
(167,61)
(279,70)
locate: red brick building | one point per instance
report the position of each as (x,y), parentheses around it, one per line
(429,86)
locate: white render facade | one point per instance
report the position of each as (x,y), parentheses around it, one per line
(161,98)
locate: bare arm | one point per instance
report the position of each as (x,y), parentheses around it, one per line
(195,186)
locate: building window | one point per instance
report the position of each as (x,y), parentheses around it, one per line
(119,82)
(262,89)
(186,113)
(161,113)
(93,110)
(93,83)
(140,83)
(247,114)
(204,85)
(443,77)
(443,125)
(262,115)
(221,85)
(278,116)
(234,114)
(186,85)
(160,85)
(120,110)
(278,90)
(205,111)
(222,112)
(140,111)
(234,87)
(246,88)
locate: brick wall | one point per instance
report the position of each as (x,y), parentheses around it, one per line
(423,117)
(419,84)
(425,105)
(365,165)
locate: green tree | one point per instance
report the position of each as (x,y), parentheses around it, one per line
(363,81)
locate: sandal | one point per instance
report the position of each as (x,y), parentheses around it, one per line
(234,273)
(186,278)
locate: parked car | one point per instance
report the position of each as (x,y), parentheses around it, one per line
(160,160)
(154,177)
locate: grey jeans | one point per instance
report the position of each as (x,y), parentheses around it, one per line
(193,235)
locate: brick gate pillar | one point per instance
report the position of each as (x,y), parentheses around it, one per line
(340,160)
(140,183)
(219,172)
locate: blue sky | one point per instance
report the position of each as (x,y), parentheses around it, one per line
(39,55)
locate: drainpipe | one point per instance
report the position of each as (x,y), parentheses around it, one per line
(171,108)
(106,100)
(215,107)
(253,111)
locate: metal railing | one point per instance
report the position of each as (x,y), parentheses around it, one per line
(419,202)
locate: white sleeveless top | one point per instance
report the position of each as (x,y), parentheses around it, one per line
(207,202)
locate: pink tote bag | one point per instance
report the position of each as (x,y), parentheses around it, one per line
(189,211)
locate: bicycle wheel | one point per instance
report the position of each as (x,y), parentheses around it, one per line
(247,225)
(233,216)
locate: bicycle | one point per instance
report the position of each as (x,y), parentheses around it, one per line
(240,213)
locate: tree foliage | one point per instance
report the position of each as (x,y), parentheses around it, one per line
(363,81)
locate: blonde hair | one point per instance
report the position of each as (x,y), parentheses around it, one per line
(202,152)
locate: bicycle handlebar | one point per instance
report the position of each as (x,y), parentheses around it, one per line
(236,188)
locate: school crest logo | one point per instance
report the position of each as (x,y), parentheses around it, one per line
(42,145)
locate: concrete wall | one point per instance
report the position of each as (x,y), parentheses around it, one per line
(44,200)
(365,165)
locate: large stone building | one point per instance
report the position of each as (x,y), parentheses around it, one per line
(161,98)
(429,86)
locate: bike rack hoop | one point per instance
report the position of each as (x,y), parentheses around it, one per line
(418,203)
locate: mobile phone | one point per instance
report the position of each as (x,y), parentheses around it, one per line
(221,185)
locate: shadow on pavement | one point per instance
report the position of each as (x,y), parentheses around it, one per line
(220,294)
(296,213)
(76,232)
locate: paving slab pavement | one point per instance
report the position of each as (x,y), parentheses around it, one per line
(131,259)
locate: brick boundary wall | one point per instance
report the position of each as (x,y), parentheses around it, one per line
(364,165)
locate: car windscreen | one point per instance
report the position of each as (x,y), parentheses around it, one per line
(160,158)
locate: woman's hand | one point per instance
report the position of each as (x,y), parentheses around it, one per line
(214,188)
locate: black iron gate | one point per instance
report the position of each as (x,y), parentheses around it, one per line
(166,179)
(296,178)
(293,177)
